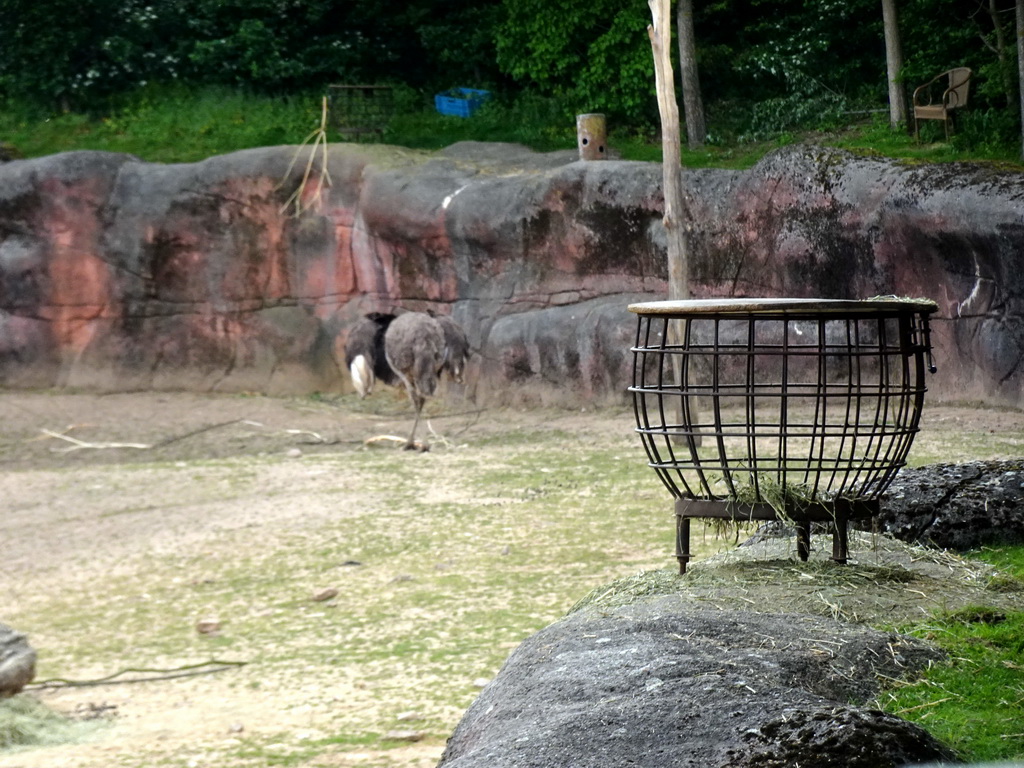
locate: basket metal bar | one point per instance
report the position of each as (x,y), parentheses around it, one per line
(821,408)
(784,392)
(885,400)
(687,411)
(716,410)
(847,405)
(856,380)
(750,403)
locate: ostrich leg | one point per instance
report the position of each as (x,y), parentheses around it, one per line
(417,402)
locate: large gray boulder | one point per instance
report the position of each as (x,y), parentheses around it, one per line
(752,658)
(17,662)
(663,685)
(956,506)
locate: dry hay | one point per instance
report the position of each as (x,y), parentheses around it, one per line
(886,583)
(25,721)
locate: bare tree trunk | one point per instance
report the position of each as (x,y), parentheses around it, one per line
(1000,51)
(893,65)
(1020,68)
(693,104)
(676,216)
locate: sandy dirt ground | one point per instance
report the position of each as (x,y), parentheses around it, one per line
(93,485)
(80,477)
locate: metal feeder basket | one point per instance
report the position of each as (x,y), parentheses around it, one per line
(779,409)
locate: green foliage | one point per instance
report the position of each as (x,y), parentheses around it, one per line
(274,46)
(938,36)
(461,43)
(107,48)
(95,50)
(806,74)
(767,68)
(595,55)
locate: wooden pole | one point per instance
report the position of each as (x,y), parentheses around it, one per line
(676,218)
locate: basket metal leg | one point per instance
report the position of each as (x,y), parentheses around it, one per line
(840,541)
(682,541)
(803,540)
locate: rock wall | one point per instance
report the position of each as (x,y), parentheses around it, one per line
(117,274)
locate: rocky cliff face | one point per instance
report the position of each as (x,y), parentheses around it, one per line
(118,274)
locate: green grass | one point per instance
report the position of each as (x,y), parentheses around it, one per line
(166,124)
(975,701)
(1009,559)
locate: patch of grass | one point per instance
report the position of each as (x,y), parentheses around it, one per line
(285,750)
(877,138)
(975,701)
(171,124)
(541,124)
(1009,559)
(463,554)
(1010,562)
(168,125)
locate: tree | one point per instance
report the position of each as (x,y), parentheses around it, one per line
(693,104)
(811,60)
(459,37)
(676,217)
(894,65)
(585,53)
(270,46)
(73,55)
(998,47)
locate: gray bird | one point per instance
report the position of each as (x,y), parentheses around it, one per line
(414,348)
(364,353)
(414,345)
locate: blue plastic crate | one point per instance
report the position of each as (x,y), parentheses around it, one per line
(460,102)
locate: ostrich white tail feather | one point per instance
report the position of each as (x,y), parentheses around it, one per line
(362,375)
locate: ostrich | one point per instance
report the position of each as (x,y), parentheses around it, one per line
(414,348)
(364,353)
(414,345)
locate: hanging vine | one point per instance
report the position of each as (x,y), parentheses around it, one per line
(319,142)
